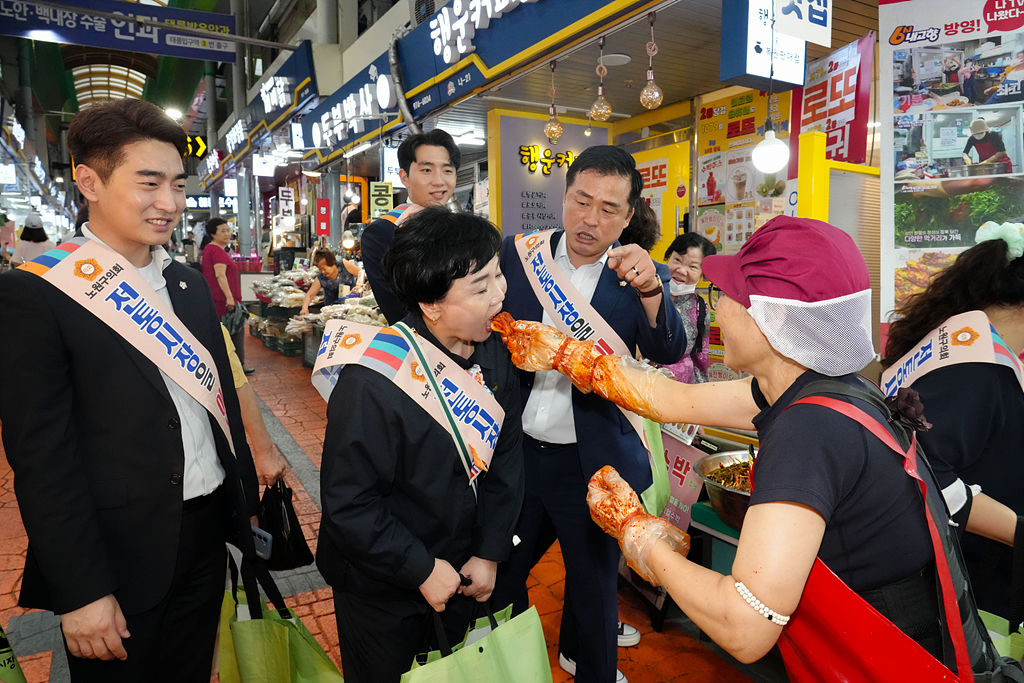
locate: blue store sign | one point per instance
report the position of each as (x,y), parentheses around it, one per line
(36,22)
(287,91)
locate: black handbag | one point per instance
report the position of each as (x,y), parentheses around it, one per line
(235,318)
(277,517)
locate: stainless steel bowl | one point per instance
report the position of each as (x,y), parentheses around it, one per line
(729,504)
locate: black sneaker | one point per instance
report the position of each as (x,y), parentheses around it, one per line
(252,371)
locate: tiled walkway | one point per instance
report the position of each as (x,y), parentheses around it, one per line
(296,419)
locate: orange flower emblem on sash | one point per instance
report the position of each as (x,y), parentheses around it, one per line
(350,340)
(417,372)
(87,269)
(965,336)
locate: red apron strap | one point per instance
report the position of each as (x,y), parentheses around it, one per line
(949,602)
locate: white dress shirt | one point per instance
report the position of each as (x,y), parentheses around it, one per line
(203,471)
(548,412)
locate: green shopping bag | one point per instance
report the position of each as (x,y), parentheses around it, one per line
(477,629)
(1007,644)
(514,651)
(655,498)
(267,646)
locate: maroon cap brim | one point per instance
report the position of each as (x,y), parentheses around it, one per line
(724,272)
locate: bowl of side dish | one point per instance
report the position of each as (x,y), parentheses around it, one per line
(727,479)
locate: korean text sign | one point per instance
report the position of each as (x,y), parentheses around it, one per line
(36,22)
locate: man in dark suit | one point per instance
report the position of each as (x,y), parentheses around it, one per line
(570,435)
(127,486)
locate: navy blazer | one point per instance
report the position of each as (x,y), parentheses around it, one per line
(603,434)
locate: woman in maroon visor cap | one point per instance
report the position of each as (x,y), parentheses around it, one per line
(846,558)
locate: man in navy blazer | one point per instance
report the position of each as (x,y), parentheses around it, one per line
(570,435)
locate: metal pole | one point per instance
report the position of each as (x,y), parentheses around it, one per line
(143,21)
(28,119)
(211,125)
(239,84)
(332,190)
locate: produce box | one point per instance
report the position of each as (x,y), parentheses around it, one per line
(290,348)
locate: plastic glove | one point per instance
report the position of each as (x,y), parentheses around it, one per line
(533,345)
(614,506)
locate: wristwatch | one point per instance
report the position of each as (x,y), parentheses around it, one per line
(653,292)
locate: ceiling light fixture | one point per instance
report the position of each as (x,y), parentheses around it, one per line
(600,110)
(771,154)
(553,128)
(651,96)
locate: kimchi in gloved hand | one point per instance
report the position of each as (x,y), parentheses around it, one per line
(623,380)
(615,507)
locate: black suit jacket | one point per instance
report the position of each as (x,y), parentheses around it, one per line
(95,444)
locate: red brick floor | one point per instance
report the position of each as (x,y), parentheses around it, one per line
(283,384)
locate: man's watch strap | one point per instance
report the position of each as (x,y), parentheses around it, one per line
(653,292)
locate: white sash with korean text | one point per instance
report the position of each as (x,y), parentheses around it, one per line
(964,338)
(105,284)
(470,413)
(571,312)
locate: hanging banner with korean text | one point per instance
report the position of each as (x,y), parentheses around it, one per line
(323,217)
(809,20)
(953,147)
(52,25)
(738,121)
(837,99)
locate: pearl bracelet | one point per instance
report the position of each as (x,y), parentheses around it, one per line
(770,615)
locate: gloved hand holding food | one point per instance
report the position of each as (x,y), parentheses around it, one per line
(623,380)
(615,507)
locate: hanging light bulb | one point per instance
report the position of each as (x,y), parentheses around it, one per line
(587,131)
(651,96)
(601,110)
(771,154)
(553,128)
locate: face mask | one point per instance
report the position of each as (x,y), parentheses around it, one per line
(676,289)
(978,136)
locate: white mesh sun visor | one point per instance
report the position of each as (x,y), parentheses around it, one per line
(832,337)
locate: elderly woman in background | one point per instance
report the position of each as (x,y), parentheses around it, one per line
(684,257)
(401,520)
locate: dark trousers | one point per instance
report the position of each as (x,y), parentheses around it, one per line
(555,505)
(238,339)
(379,638)
(174,641)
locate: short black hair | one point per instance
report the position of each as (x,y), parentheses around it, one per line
(213,225)
(34,234)
(435,138)
(608,160)
(433,249)
(683,243)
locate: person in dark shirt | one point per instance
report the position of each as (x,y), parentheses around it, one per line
(400,521)
(828,493)
(429,163)
(987,144)
(330,278)
(976,409)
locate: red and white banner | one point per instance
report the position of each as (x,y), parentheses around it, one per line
(323,217)
(837,99)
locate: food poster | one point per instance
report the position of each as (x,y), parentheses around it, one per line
(711,180)
(837,99)
(956,133)
(684,483)
(666,174)
(738,121)
(711,223)
(740,219)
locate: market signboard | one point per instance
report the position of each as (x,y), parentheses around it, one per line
(837,100)
(531,170)
(53,25)
(809,20)
(954,66)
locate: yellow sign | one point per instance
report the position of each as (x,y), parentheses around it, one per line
(381,199)
(666,174)
(739,121)
(196,147)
